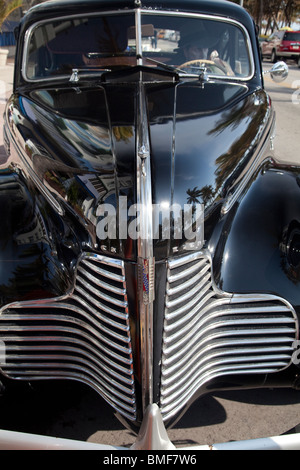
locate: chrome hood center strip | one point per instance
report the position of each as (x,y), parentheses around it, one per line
(145,246)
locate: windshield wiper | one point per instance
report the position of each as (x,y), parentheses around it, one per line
(169,68)
(202,75)
(74,78)
(77,73)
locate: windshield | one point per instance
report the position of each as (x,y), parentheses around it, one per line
(54,48)
(292,36)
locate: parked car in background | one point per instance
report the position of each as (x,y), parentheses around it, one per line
(282,45)
(149,239)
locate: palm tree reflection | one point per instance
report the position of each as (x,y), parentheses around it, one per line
(206,194)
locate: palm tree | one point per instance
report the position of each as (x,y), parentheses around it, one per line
(7,7)
(193,196)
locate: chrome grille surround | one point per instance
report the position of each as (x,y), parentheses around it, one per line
(208,333)
(83,336)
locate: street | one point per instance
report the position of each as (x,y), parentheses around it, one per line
(71,410)
(286,100)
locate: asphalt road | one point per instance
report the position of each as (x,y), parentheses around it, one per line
(70,410)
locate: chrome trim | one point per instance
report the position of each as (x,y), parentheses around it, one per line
(138,34)
(139,12)
(152,434)
(145,246)
(153,437)
(209,333)
(84,335)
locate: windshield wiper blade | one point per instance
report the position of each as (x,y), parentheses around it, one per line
(169,68)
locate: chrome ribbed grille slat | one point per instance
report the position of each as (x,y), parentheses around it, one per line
(197,271)
(92,348)
(208,333)
(85,297)
(83,336)
(89,354)
(99,293)
(71,320)
(118,264)
(104,285)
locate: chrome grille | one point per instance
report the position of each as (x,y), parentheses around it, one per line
(84,336)
(208,333)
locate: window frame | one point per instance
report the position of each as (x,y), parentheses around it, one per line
(139,13)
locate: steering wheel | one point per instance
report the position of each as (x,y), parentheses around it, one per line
(199,62)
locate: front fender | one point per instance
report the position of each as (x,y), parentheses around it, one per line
(29,266)
(257,248)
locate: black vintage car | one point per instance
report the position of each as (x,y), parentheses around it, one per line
(149,240)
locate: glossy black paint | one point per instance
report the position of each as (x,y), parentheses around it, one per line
(66,135)
(257,234)
(68,150)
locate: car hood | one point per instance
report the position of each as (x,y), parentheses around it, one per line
(82,147)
